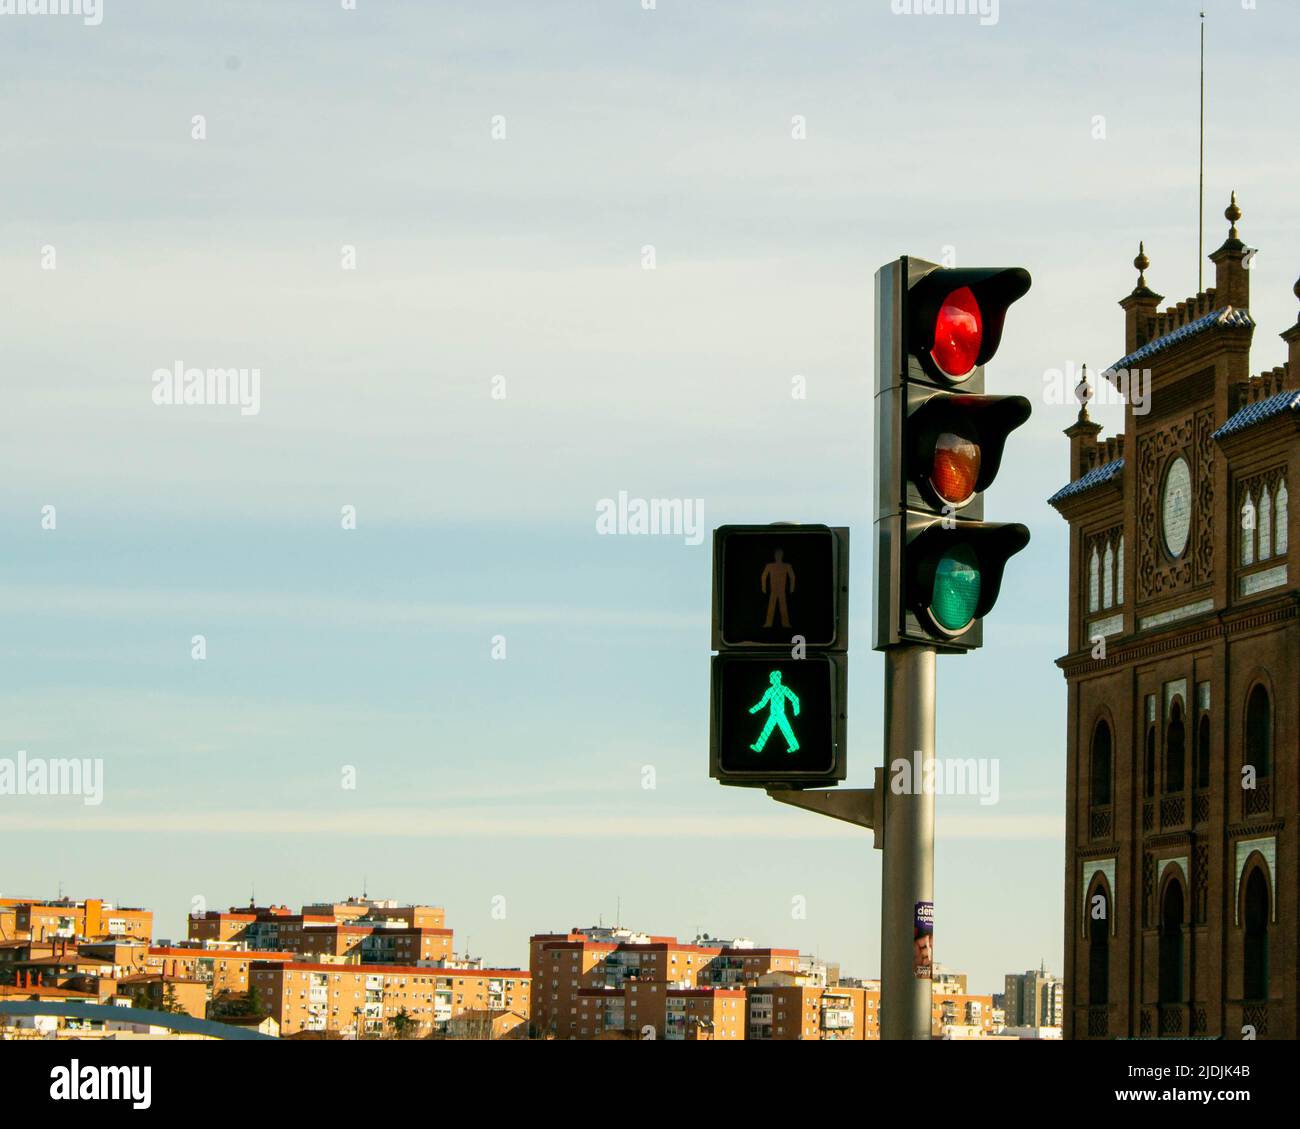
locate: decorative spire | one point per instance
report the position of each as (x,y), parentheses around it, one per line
(1296,291)
(1083,393)
(1232,214)
(1141,262)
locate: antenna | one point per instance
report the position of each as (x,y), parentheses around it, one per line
(1200,213)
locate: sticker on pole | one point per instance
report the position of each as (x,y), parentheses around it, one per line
(923,941)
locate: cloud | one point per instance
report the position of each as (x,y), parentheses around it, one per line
(553,823)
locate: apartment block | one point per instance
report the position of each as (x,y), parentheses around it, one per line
(1034,999)
(782,1009)
(358,930)
(91,919)
(221,971)
(162,993)
(596,963)
(953,1010)
(362,1001)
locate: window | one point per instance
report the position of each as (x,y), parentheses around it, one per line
(1094,582)
(1203,752)
(1098,950)
(1255,972)
(1107,578)
(1264,516)
(1119,572)
(1101,758)
(1248,530)
(1259,737)
(1171,945)
(1175,749)
(1280,517)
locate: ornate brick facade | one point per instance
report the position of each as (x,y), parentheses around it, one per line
(1183,731)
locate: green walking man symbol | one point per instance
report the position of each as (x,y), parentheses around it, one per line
(775,700)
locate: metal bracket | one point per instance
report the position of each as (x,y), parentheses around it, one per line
(864,807)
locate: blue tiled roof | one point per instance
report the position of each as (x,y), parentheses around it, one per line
(1258,412)
(1094,477)
(1226,318)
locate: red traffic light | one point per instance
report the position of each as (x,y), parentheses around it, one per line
(955,317)
(958,333)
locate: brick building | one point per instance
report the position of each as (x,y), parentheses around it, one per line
(783,1008)
(625,969)
(222,971)
(1034,998)
(358,930)
(363,1001)
(1181,845)
(92,919)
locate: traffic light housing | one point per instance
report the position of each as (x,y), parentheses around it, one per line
(778,685)
(939,444)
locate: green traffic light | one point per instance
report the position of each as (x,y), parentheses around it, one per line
(956,589)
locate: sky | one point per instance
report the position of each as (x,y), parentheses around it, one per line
(462,700)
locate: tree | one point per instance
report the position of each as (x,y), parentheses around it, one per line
(402,1024)
(170,1004)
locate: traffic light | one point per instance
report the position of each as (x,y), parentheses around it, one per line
(778,712)
(939,444)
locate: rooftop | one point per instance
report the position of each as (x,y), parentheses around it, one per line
(1226,317)
(1094,477)
(1258,412)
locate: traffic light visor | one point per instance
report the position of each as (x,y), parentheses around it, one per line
(954,575)
(956,443)
(956,317)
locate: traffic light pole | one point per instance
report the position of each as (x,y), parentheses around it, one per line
(908,884)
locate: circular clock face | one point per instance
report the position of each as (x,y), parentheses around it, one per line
(1176,506)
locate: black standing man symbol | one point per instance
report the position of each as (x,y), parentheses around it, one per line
(776,576)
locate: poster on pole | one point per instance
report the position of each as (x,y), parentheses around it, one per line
(923,941)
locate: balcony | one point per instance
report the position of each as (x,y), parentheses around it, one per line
(1099,823)
(1201,807)
(1172,1019)
(1259,800)
(1173,812)
(1099,1021)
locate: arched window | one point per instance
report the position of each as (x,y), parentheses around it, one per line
(1098,950)
(1203,752)
(1248,531)
(1175,749)
(1171,945)
(1265,524)
(1094,582)
(1259,732)
(1119,572)
(1280,516)
(1108,577)
(1255,979)
(1149,783)
(1101,745)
